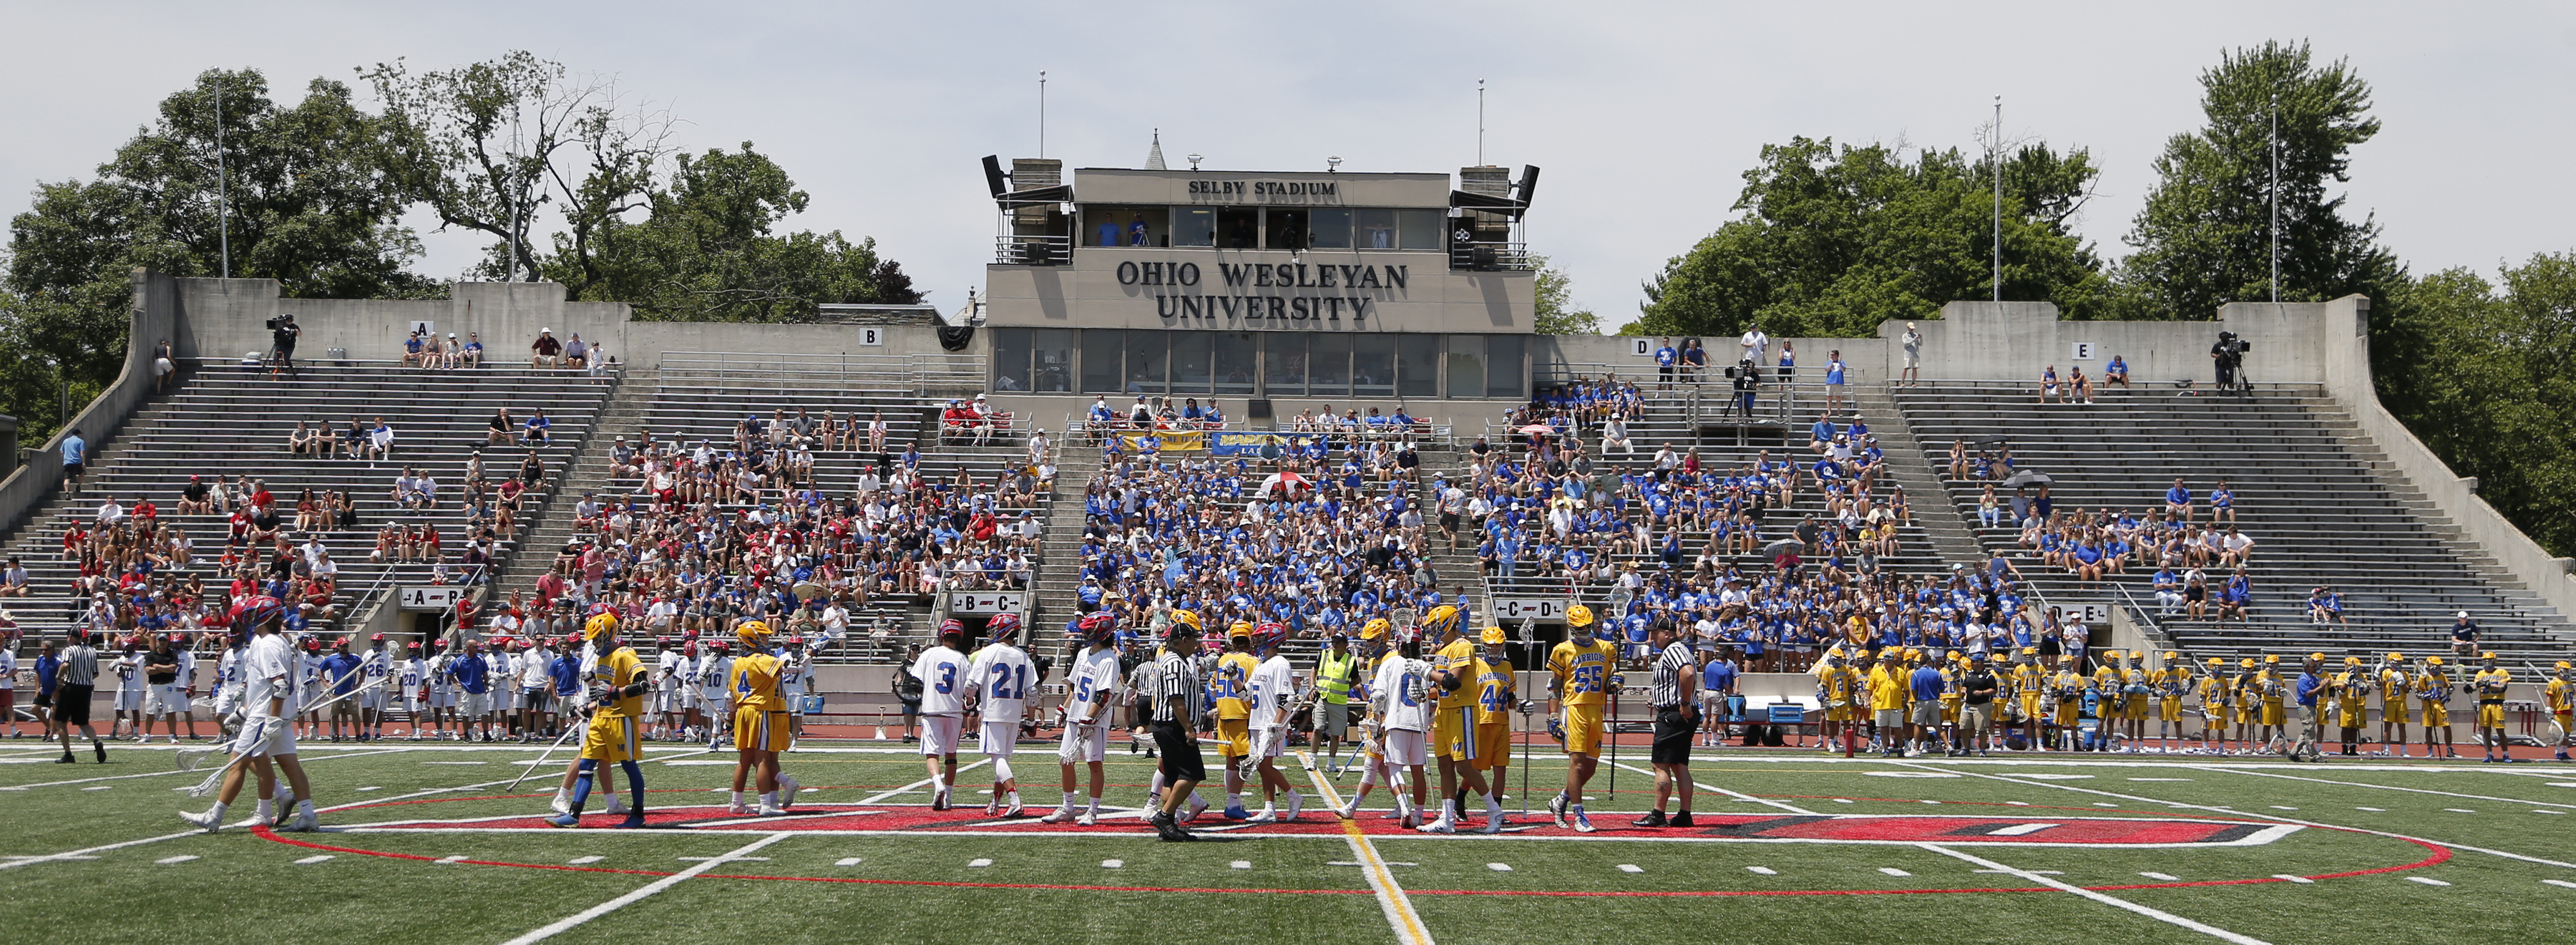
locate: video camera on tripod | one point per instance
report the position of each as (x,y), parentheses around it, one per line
(2229,353)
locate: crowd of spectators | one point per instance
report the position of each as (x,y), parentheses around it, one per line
(695,536)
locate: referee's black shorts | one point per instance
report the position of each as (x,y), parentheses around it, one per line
(1672,737)
(71,704)
(1180,753)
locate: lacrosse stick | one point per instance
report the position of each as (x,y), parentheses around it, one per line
(541,756)
(189,759)
(269,729)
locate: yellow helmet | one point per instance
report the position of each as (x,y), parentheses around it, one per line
(598,625)
(1374,629)
(1493,636)
(1437,624)
(1913,653)
(1240,629)
(2563,664)
(2319,656)
(2488,656)
(2397,657)
(2217,661)
(2030,651)
(1578,616)
(2352,661)
(2246,663)
(2171,655)
(1956,656)
(2271,658)
(2432,661)
(751,630)
(1190,617)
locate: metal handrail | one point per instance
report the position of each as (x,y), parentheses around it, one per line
(1032,250)
(913,372)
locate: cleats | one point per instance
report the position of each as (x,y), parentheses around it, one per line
(566,819)
(1583,822)
(206,820)
(1556,808)
(787,788)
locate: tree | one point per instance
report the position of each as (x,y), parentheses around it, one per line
(2477,371)
(488,146)
(2204,237)
(1833,241)
(706,253)
(311,206)
(1555,313)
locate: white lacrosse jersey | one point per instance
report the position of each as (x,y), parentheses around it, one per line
(123,667)
(1273,684)
(413,671)
(187,670)
(792,670)
(271,670)
(373,667)
(308,669)
(1000,679)
(1095,679)
(668,668)
(1399,698)
(712,671)
(942,672)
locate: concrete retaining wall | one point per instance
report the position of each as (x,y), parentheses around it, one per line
(151,318)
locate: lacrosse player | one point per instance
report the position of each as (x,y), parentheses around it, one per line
(997,683)
(713,669)
(1579,684)
(411,674)
(617,684)
(1274,686)
(1453,728)
(1372,741)
(795,665)
(670,706)
(1400,699)
(2170,683)
(2352,702)
(2216,694)
(2432,689)
(442,690)
(2561,696)
(1094,678)
(760,722)
(1229,685)
(373,669)
(129,716)
(943,708)
(2489,683)
(2392,706)
(273,686)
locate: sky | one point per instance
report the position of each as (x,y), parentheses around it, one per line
(1643,115)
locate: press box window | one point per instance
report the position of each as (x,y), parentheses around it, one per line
(1194,226)
(1328,228)
(1239,228)
(1126,226)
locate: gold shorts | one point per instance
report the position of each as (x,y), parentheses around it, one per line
(1453,733)
(2273,714)
(609,740)
(760,731)
(2436,715)
(1234,737)
(1493,744)
(1583,729)
(2169,708)
(2490,715)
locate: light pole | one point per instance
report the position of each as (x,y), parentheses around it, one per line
(2276,198)
(223,188)
(1995,155)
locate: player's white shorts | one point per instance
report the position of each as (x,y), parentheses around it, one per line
(998,739)
(415,703)
(1277,746)
(225,703)
(281,742)
(711,701)
(1405,747)
(667,700)
(1075,748)
(476,705)
(442,698)
(795,700)
(939,735)
(372,700)
(129,699)
(171,698)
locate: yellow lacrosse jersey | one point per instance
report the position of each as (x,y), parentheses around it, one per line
(1493,691)
(755,683)
(1583,672)
(1232,685)
(618,670)
(1459,658)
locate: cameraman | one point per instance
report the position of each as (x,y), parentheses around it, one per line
(2229,356)
(282,333)
(1748,378)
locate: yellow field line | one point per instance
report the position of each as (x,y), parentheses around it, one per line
(1390,896)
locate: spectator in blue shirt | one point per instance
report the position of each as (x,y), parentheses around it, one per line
(1665,359)
(538,429)
(75,460)
(2178,501)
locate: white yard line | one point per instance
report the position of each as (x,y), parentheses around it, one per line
(1738,795)
(2389,787)
(201,772)
(923,783)
(84,853)
(2271,817)
(2113,901)
(1390,896)
(576,920)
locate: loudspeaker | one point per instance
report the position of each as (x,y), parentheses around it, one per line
(1257,408)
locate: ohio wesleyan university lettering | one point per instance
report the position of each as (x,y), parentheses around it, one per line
(1246,302)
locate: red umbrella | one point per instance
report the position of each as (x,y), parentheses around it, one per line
(1538,428)
(1285,482)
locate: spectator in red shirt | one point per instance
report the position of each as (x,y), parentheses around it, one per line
(547,350)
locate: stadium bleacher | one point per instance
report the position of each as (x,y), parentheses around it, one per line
(223,423)
(2321,510)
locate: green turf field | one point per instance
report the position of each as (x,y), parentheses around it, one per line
(419,846)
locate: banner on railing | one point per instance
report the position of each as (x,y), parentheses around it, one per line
(1545,609)
(1168,441)
(429,597)
(965,603)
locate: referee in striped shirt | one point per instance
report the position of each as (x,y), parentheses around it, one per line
(1676,718)
(1172,690)
(79,677)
